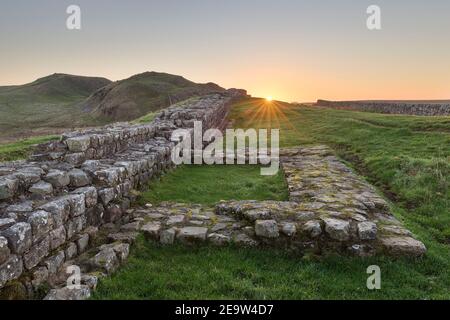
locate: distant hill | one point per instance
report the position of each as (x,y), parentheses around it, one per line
(46,105)
(61,102)
(142,93)
(54,87)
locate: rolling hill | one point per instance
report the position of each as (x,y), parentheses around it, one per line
(62,102)
(46,105)
(142,93)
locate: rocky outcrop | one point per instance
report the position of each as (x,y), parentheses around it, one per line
(50,202)
(410,108)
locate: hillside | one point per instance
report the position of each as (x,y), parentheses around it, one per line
(61,102)
(142,93)
(45,105)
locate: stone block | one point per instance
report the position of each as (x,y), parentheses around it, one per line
(78,178)
(57,237)
(337,229)
(41,188)
(41,224)
(58,178)
(19,237)
(266,228)
(78,144)
(36,253)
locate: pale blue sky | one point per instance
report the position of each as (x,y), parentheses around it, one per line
(293,50)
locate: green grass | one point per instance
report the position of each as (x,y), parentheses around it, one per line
(406,157)
(21,149)
(176,272)
(210,184)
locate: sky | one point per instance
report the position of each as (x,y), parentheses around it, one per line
(292,50)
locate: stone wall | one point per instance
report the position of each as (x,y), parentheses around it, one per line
(419,109)
(52,204)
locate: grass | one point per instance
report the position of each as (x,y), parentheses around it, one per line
(210,184)
(21,149)
(176,272)
(406,157)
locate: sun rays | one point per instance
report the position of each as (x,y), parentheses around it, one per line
(268,113)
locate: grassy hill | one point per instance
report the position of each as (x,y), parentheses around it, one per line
(62,102)
(142,93)
(46,105)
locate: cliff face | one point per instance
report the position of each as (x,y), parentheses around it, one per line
(394,107)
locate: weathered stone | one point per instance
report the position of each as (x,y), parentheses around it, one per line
(362,250)
(219,239)
(112,213)
(167,237)
(313,228)
(36,253)
(128,237)
(132,226)
(75,158)
(106,195)
(403,246)
(337,229)
(40,224)
(55,262)
(105,260)
(4,250)
(367,230)
(77,204)
(10,270)
(29,175)
(289,229)
(71,251)
(57,178)
(78,144)
(22,207)
(244,240)
(90,281)
(6,223)
(78,178)
(59,209)
(90,195)
(82,243)
(40,276)
(177,219)
(41,188)
(75,226)
(69,293)
(266,228)
(19,237)
(151,230)
(257,214)
(122,250)
(57,237)
(192,234)
(8,187)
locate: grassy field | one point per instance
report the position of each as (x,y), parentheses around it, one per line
(406,157)
(21,149)
(210,184)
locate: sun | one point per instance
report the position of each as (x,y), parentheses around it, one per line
(269,98)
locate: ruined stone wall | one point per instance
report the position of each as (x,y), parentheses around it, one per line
(52,204)
(419,109)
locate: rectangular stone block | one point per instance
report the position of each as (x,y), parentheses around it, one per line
(36,253)
(10,270)
(19,237)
